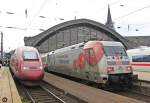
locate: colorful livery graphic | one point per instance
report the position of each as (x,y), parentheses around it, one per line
(102,62)
(26,65)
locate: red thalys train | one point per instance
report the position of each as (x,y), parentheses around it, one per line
(26,65)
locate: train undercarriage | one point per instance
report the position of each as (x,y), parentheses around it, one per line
(121,81)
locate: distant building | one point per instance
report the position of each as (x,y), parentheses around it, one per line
(137,41)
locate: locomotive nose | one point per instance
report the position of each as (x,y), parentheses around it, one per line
(33,74)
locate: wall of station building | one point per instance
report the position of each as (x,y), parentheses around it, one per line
(73,35)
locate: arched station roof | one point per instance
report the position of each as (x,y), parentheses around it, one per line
(40,38)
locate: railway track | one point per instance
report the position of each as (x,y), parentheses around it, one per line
(134,94)
(142,87)
(46,93)
(140,90)
(41,94)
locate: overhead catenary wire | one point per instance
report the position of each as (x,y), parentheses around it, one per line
(37,13)
(132,24)
(113,3)
(132,12)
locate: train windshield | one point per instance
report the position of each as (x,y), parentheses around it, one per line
(30,55)
(114,50)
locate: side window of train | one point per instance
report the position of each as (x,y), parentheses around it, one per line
(141,58)
(81,46)
(136,58)
(146,58)
(73,47)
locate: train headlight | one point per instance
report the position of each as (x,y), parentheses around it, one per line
(25,68)
(41,67)
(110,69)
(129,68)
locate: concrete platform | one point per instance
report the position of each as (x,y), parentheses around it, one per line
(8,90)
(86,93)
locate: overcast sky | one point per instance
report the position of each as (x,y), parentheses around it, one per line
(132,16)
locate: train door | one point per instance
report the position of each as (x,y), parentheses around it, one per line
(51,61)
(90,58)
(93,57)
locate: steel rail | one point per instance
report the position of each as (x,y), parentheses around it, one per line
(52,94)
(33,100)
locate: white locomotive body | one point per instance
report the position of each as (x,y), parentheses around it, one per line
(140,61)
(104,62)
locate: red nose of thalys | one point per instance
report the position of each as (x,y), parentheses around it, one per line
(32,75)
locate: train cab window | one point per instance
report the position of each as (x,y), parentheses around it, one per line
(114,50)
(30,55)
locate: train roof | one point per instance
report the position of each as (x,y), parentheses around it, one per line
(111,43)
(81,45)
(69,47)
(26,48)
(139,51)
